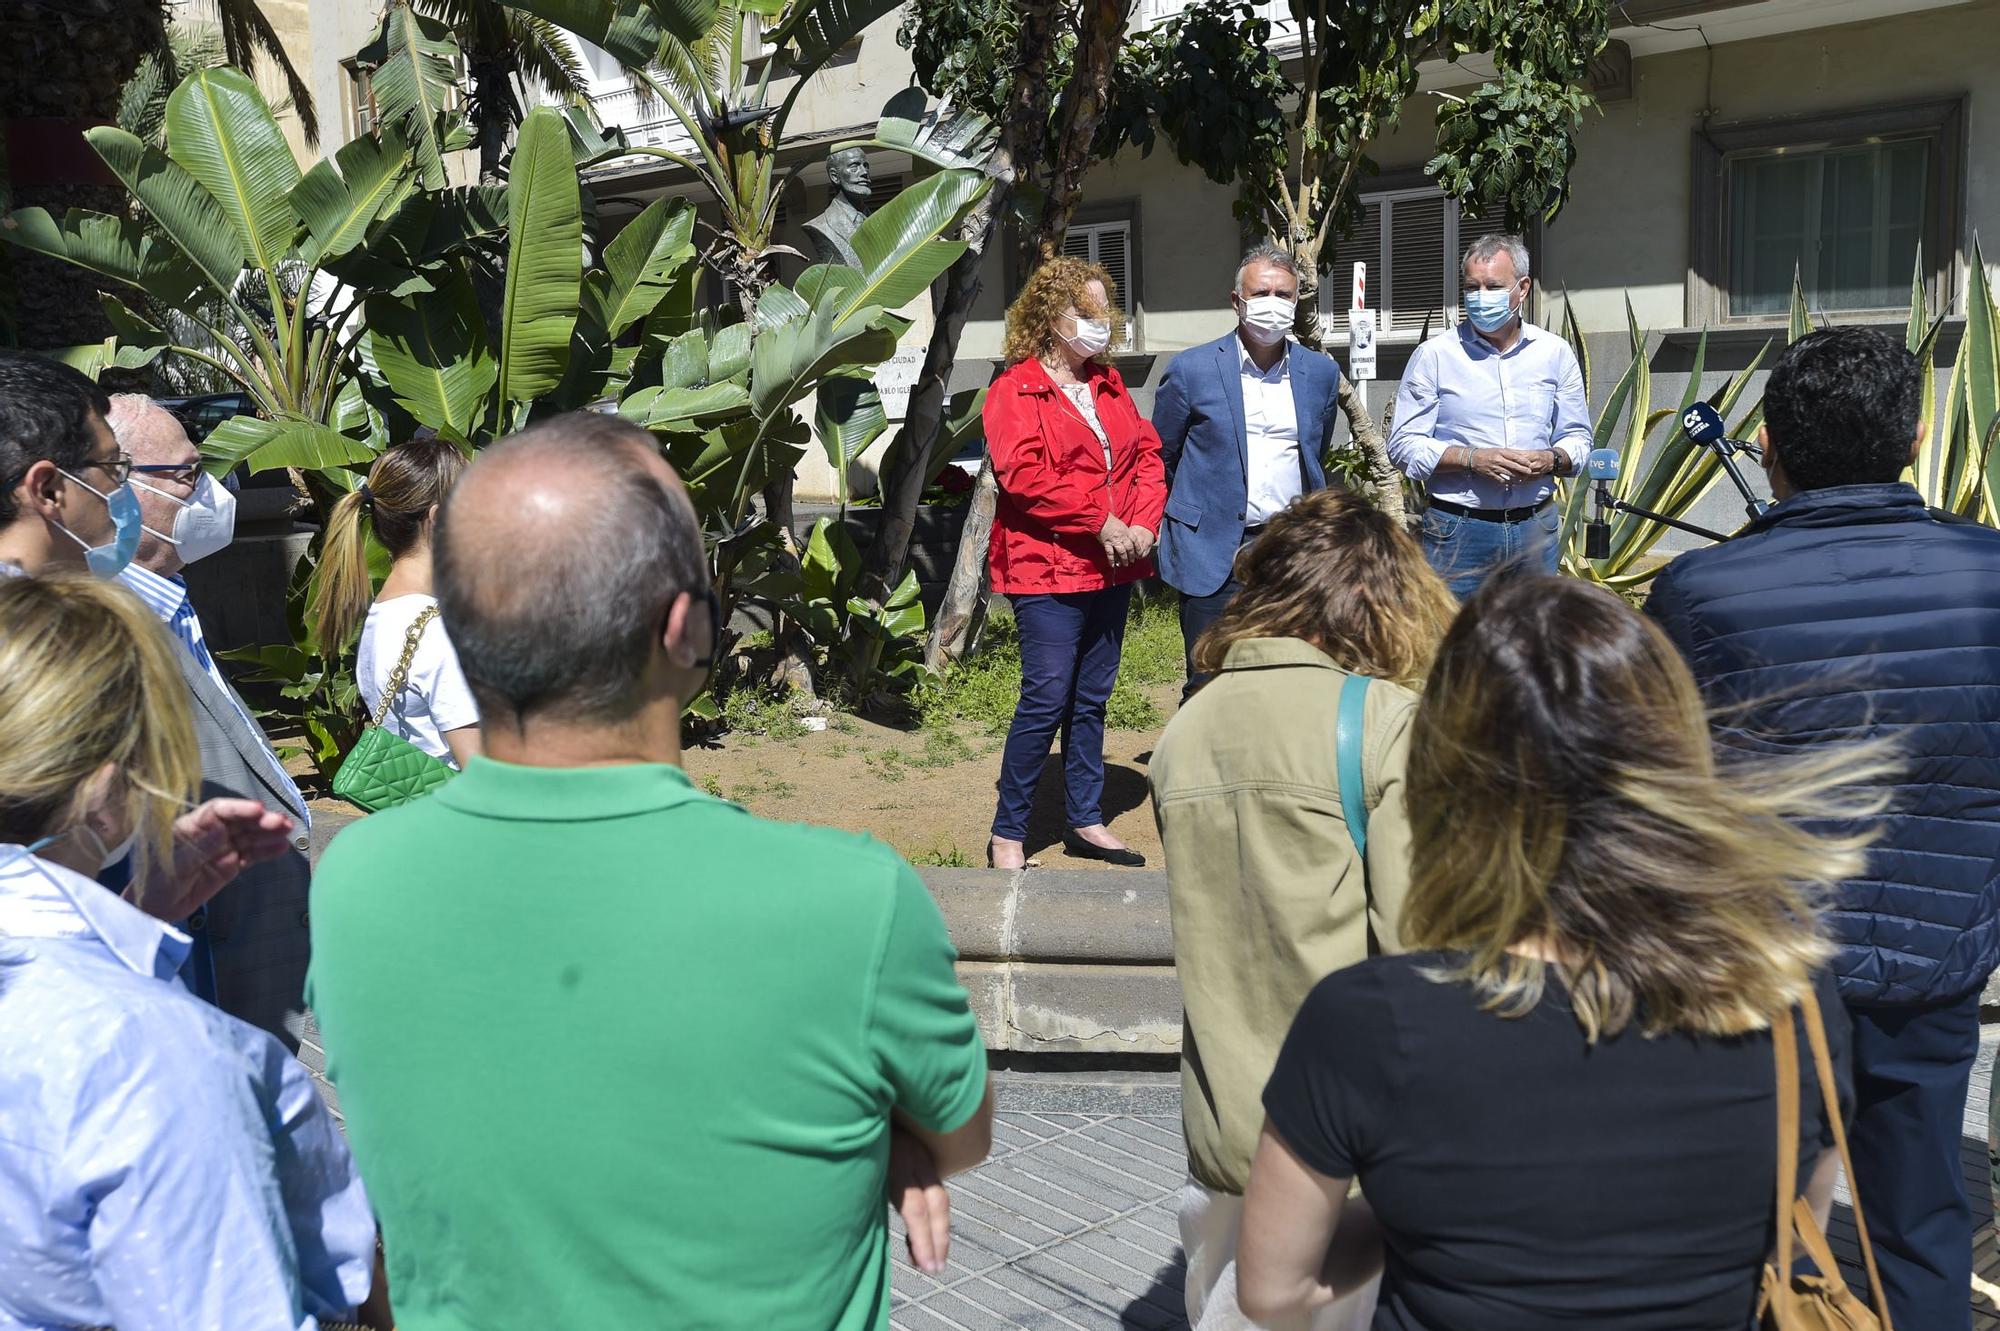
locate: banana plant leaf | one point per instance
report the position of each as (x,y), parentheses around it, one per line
(410,63)
(220,131)
(374,175)
(645,262)
(898,245)
(681,410)
(435,355)
(848,418)
(184,212)
(120,248)
(944,136)
(817,30)
(544,273)
(276,444)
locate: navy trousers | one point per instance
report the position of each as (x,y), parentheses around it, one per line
(1912,1069)
(1197,613)
(1070,644)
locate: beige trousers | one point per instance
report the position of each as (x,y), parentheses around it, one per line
(1210,1222)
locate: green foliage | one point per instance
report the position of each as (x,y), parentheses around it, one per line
(940,859)
(1660,467)
(978,695)
(863,642)
(1958,465)
(1209,79)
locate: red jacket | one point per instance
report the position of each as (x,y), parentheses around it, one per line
(1054,490)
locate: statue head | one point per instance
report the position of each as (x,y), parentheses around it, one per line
(847,172)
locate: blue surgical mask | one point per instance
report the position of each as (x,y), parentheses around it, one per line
(1489,310)
(128,523)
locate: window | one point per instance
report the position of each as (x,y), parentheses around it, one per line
(881,189)
(1109,243)
(1412,241)
(358,100)
(1847,202)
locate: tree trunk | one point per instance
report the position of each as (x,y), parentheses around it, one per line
(955,630)
(1385,483)
(1102,33)
(909,462)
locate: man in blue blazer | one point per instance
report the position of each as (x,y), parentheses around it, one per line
(1243,423)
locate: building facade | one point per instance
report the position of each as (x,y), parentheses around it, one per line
(1735,141)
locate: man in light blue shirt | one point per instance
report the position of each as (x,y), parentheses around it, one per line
(1487,419)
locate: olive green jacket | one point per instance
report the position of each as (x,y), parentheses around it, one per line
(1268,895)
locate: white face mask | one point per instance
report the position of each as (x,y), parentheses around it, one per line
(206,522)
(1267,320)
(1091,338)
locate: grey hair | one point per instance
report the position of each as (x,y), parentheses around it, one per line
(1495,243)
(565,627)
(1266,252)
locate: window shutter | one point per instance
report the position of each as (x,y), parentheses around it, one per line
(1416,292)
(1336,292)
(881,189)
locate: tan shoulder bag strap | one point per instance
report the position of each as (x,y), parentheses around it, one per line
(1830,1097)
(1785,1045)
(401,676)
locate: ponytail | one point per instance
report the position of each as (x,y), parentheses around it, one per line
(342,586)
(393,507)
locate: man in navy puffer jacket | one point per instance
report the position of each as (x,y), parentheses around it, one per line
(1850,611)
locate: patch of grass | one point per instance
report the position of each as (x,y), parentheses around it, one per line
(940,859)
(943,748)
(748,791)
(773,715)
(836,750)
(713,786)
(979,694)
(888,764)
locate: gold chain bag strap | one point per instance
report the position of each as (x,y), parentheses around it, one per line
(1812,1302)
(383,769)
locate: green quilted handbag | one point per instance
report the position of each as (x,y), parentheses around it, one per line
(383,769)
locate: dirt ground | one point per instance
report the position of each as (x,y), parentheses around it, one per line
(932,801)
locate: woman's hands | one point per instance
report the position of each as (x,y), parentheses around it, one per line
(1124,545)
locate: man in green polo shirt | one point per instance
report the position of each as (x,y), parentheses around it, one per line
(615,1054)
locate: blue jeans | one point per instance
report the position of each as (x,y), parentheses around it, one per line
(1466,551)
(1912,1069)
(1070,644)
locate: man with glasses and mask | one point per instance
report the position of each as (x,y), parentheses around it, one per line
(1487,418)
(1244,422)
(252,943)
(725,1038)
(64,498)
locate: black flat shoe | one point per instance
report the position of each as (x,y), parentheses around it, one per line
(1084,850)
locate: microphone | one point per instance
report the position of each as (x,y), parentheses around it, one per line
(1703,424)
(1601,467)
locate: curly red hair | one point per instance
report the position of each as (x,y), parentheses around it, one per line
(1056,287)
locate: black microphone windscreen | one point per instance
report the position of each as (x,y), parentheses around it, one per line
(1703,423)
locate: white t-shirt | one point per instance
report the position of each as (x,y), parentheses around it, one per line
(435,699)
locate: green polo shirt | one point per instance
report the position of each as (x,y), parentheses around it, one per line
(616,1054)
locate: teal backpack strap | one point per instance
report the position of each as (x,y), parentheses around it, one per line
(1347,740)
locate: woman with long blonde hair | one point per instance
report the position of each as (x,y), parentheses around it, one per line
(1270,887)
(404,655)
(162,1164)
(1559,1103)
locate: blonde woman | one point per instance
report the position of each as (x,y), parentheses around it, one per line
(162,1165)
(433,709)
(1559,1101)
(1082,489)
(1268,891)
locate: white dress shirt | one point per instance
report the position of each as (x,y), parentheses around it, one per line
(1271,431)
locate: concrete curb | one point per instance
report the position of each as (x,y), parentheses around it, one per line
(1056,961)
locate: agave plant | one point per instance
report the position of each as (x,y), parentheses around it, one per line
(1957,469)
(1668,475)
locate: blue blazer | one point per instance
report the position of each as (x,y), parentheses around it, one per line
(1198,411)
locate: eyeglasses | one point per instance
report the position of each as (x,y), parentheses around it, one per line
(186,473)
(118,466)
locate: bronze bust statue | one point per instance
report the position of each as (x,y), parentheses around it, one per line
(832,232)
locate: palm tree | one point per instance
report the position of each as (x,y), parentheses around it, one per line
(503,44)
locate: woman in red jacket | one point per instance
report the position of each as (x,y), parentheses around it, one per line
(1081,493)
